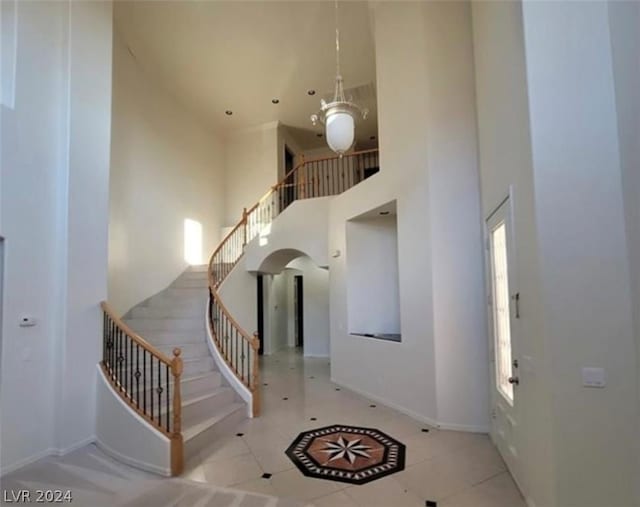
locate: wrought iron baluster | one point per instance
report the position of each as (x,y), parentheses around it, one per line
(104,337)
(151,385)
(167,395)
(159,394)
(138,375)
(120,346)
(112,359)
(144,380)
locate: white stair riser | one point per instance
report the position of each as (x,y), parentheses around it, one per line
(194,413)
(201,385)
(164,300)
(194,275)
(190,283)
(187,350)
(193,445)
(189,292)
(148,324)
(190,367)
(196,386)
(160,338)
(168,312)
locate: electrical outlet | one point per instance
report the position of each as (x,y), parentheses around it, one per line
(593,377)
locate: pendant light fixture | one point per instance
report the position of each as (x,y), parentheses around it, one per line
(339,115)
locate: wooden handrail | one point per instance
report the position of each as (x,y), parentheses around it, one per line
(121,358)
(135,336)
(223,325)
(323,159)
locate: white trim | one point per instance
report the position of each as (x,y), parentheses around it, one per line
(132,462)
(240,389)
(415,415)
(52,451)
(26,461)
(74,447)
(127,407)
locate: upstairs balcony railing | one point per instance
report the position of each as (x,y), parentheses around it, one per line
(312,178)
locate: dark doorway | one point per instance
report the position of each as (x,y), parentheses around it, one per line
(298,308)
(290,190)
(261,313)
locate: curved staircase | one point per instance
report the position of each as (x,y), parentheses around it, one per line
(176,382)
(173,319)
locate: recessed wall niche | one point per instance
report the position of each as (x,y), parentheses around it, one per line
(373,299)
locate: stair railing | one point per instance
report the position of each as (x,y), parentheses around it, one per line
(145,379)
(321,177)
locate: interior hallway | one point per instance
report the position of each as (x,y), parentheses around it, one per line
(454,469)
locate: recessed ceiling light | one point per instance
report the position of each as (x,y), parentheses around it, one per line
(311,92)
(228,112)
(275,101)
(384,212)
(318,135)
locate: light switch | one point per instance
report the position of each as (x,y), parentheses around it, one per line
(593,377)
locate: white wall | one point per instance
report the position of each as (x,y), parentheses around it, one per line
(31,180)
(415,154)
(55,161)
(315,309)
(303,227)
(624,19)
(372,275)
(239,294)
(251,168)
(582,245)
(166,167)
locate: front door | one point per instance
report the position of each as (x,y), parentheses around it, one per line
(503,314)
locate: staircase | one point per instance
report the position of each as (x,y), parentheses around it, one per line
(174,318)
(161,394)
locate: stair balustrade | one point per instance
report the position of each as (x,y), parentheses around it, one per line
(145,379)
(321,177)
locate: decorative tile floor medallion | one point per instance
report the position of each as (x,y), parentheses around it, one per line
(346,454)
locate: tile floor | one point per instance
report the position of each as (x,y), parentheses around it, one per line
(454,469)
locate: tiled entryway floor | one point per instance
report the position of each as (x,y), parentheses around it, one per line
(454,469)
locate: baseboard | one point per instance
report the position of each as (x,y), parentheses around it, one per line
(412,414)
(52,451)
(132,462)
(26,461)
(74,447)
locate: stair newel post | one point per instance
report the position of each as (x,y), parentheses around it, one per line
(177,445)
(255,346)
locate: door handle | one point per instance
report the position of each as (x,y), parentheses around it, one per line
(514,380)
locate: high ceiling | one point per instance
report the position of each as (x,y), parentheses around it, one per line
(216,56)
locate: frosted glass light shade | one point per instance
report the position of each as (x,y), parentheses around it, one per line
(340,132)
